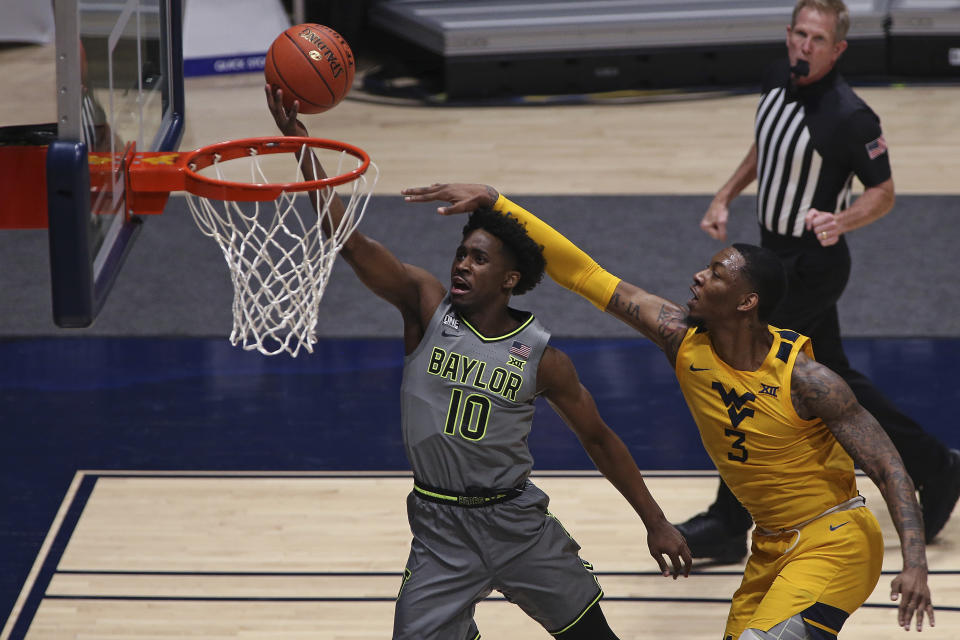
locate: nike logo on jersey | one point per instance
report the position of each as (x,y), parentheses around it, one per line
(693,368)
(450,334)
(835,527)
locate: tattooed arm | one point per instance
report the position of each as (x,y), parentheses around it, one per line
(818,392)
(660,320)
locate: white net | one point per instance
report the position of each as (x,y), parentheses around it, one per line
(279,258)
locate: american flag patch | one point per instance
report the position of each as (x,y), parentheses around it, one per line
(876,148)
(520,349)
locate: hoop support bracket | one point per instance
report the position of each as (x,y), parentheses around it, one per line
(151,177)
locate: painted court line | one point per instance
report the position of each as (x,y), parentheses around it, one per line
(47,559)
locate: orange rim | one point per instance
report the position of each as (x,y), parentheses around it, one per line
(208,187)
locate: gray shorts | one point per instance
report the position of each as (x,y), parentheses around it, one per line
(459,555)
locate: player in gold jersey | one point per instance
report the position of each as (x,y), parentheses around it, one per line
(783,430)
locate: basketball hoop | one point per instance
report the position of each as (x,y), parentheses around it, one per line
(279,258)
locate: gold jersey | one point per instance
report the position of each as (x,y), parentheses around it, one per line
(783,469)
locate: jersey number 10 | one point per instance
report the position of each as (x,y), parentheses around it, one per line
(470,416)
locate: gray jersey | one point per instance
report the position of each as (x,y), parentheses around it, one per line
(468,402)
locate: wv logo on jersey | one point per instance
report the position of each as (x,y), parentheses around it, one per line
(734,404)
(737,412)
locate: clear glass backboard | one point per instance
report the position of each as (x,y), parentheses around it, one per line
(119,88)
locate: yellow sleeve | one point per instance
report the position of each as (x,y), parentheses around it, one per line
(567,264)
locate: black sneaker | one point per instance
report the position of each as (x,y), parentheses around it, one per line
(938,497)
(707,537)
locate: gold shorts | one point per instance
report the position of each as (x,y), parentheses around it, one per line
(831,571)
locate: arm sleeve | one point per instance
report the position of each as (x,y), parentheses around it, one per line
(567,264)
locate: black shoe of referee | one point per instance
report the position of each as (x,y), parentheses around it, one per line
(938,497)
(708,537)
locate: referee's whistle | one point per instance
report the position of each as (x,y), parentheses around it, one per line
(800,69)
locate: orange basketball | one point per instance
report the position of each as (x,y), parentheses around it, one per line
(313,64)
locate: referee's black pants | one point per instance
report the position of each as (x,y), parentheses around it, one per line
(817,277)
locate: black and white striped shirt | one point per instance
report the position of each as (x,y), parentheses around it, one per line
(811,141)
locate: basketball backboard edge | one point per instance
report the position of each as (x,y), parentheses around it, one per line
(90,228)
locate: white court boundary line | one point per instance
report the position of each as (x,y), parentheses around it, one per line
(65,505)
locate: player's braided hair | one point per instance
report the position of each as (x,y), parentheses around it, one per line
(836,7)
(766,275)
(527,255)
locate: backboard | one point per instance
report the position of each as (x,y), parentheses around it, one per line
(119,67)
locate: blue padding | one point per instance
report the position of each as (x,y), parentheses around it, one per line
(194,403)
(177,107)
(68,210)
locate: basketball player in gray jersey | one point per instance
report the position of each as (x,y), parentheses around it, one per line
(473,368)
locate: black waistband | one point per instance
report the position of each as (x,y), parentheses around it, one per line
(480,498)
(808,240)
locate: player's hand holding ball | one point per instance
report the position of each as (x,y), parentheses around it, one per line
(311,64)
(286,119)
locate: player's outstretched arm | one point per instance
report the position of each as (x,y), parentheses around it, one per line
(557,380)
(414,291)
(658,319)
(290,125)
(817,391)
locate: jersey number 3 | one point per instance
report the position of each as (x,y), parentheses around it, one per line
(469,416)
(739,453)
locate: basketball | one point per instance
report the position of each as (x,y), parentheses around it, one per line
(312,64)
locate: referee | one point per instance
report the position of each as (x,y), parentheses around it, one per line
(812,135)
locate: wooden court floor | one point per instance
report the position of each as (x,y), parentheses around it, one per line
(281,556)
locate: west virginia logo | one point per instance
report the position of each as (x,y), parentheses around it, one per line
(734,404)
(737,413)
